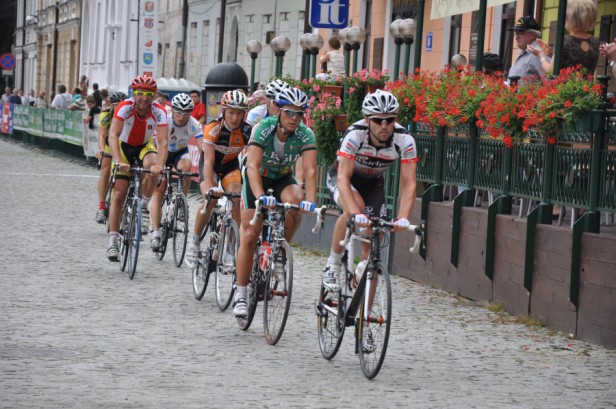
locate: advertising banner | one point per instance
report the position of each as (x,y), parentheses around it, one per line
(53,123)
(35,121)
(7,118)
(20,117)
(90,138)
(73,122)
(148,37)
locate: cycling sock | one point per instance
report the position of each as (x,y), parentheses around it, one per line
(112,237)
(334,258)
(241,292)
(145,201)
(101,206)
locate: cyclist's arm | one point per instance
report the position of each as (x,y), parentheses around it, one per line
(345,171)
(408,187)
(209,159)
(255,157)
(162,132)
(114,142)
(309,166)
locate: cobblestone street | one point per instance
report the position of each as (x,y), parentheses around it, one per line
(75,332)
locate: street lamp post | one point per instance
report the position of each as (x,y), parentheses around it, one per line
(394,30)
(408,29)
(356,37)
(55,49)
(280,45)
(254,48)
(314,43)
(303,43)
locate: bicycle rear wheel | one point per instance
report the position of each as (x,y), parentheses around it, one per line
(331,319)
(373,330)
(134,237)
(225,270)
(180,229)
(277,294)
(252,293)
(205,264)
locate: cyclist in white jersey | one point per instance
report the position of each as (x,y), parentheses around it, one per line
(355,180)
(130,139)
(182,127)
(259,112)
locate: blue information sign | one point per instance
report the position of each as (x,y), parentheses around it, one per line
(329,13)
(429,41)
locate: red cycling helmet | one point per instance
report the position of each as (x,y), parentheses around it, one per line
(144,82)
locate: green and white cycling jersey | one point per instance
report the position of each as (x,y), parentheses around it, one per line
(273,167)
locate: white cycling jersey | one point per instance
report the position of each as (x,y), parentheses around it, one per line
(137,131)
(179,136)
(370,161)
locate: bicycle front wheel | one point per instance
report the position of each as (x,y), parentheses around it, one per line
(225,270)
(180,229)
(277,295)
(164,229)
(205,265)
(330,320)
(124,232)
(134,237)
(373,328)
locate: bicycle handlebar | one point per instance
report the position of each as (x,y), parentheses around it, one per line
(209,196)
(286,206)
(378,222)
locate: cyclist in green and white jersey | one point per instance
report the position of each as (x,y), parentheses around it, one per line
(277,142)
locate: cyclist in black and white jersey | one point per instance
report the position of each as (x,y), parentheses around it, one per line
(355,180)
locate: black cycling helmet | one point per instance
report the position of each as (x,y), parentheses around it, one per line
(117,96)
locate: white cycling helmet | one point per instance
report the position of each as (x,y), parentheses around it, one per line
(182,102)
(292,96)
(380,102)
(234,99)
(274,88)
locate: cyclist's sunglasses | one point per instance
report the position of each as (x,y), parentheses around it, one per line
(291,113)
(384,121)
(181,113)
(144,93)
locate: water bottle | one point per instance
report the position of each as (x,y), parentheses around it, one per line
(264,254)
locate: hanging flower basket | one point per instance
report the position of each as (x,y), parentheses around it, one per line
(335,90)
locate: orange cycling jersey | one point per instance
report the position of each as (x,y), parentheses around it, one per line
(227,144)
(137,131)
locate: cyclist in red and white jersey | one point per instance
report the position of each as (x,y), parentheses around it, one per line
(130,140)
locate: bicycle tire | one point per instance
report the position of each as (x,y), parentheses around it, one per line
(108,197)
(376,325)
(201,273)
(134,238)
(164,230)
(228,243)
(331,319)
(180,229)
(124,226)
(277,295)
(252,293)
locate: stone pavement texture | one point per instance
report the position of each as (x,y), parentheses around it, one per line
(75,332)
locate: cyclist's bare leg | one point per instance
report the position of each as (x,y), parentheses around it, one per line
(103,180)
(149,184)
(157,197)
(115,210)
(202,219)
(248,240)
(235,188)
(292,194)
(185,165)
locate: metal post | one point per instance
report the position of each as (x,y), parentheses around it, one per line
(253,58)
(398,43)
(560,34)
(421,5)
(407,55)
(55,50)
(347,59)
(355,56)
(481,35)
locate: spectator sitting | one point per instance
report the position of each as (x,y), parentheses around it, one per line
(41,101)
(77,102)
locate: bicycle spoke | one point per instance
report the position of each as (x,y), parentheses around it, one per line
(180,230)
(277,296)
(225,269)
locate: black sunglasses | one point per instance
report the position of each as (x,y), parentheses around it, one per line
(384,121)
(291,113)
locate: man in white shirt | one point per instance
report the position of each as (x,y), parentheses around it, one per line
(62,99)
